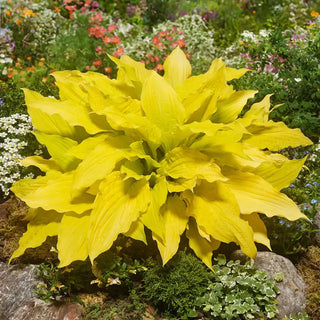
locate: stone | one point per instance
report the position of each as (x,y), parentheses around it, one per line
(317,224)
(292,289)
(18,302)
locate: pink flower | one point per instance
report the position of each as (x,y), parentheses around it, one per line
(112,28)
(115,39)
(97,63)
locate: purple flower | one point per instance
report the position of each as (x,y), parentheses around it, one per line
(313,201)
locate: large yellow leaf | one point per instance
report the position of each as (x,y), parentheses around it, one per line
(275,136)
(152,218)
(99,163)
(235,73)
(44,121)
(73,113)
(258,227)
(181,184)
(254,194)
(58,147)
(73,238)
(188,163)
(217,213)
(136,232)
(44,224)
(175,220)
(201,246)
(71,91)
(161,104)
(86,146)
(280,176)
(118,204)
(177,67)
(229,109)
(52,193)
(43,164)
(135,126)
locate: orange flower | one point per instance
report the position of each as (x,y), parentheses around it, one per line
(314,14)
(44,79)
(10,75)
(29,58)
(57,9)
(159,67)
(8,13)
(254,11)
(108,70)
(181,43)
(42,59)
(18,22)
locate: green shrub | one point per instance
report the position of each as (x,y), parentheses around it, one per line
(174,288)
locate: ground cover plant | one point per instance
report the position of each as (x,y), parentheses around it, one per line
(37,38)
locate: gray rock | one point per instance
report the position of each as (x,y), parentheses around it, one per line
(317,223)
(291,298)
(18,302)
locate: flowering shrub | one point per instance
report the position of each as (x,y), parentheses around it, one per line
(288,67)
(34,27)
(13,147)
(174,151)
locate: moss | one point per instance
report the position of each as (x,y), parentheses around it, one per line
(309,267)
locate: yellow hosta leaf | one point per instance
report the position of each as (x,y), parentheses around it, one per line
(135,126)
(51,193)
(58,147)
(99,163)
(275,136)
(177,67)
(188,163)
(258,227)
(73,238)
(259,111)
(201,247)
(175,220)
(72,91)
(217,213)
(152,218)
(181,184)
(86,146)
(229,109)
(45,121)
(161,104)
(43,164)
(70,111)
(136,71)
(254,194)
(43,224)
(280,176)
(118,204)
(136,232)
(235,73)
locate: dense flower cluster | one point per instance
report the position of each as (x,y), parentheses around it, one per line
(13,130)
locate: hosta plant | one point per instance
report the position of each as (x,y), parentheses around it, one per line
(169,153)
